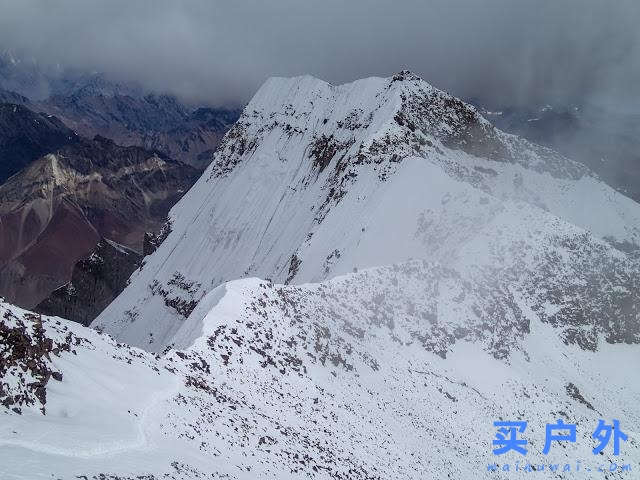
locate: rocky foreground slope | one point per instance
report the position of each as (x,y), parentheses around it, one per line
(395,372)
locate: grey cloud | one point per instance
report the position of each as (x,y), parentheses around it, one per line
(504,51)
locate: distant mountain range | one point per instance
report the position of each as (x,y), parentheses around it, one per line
(156,122)
(55,210)
(84,161)
(91,104)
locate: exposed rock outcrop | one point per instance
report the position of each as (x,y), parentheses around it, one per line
(96,280)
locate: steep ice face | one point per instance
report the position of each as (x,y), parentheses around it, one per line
(317,180)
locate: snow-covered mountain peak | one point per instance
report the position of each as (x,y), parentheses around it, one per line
(377,122)
(316,180)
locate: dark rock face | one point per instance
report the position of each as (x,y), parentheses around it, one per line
(8,96)
(96,280)
(26,136)
(179,293)
(152,241)
(38,253)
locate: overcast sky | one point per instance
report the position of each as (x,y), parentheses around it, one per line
(506,51)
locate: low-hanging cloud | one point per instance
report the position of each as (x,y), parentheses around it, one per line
(503,51)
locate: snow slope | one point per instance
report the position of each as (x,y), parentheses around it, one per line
(371,375)
(317,180)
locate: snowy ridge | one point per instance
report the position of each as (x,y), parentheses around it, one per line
(259,388)
(318,180)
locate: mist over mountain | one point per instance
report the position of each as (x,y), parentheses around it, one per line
(605,140)
(91,103)
(504,54)
(510,52)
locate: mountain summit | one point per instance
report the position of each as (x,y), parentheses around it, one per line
(317,180)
